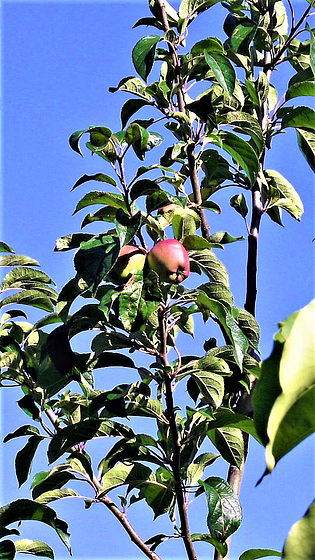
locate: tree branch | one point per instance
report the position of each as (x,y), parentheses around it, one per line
(106,500)
(175,459)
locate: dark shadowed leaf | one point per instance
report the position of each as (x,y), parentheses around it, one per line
(24,458)
(7,550)
(66,438)
(299,117)
(27,509)
(306,142)
(205,537)
(97,177)
(230,444)
(95,258)
(130,108)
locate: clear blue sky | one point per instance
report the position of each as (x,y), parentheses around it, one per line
(58,60)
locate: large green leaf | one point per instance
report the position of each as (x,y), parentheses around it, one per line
(300,543)
(143,55)
(300,89)
(17,260)
(205,537)
(225,513)
(132,85)
(95,258)
(244,123)
(24,458)
(306,142)
(158,496)
(19,278)
(130,108)
(211,265)
(124,473)
(285,393)
(34,298)
(240,150)
(36,548)
(299,117)
(289,199)
(223,71)
(98,197)
(84,431)
(27,509)
(230,444)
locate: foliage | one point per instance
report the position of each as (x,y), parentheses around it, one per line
(216,140)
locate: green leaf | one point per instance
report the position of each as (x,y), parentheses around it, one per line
(22,431)
(27,509)
(255,553)
(132,85)
(211,265)
(238,201)
(244,123)
(225,514)
(285,393)
(18,278)
(127,226)
(97,177)
(230,444)
(95,258)
(196,468)
(300,540)
(223,71)
(36,548)
(158,496)
(206,373)
(133,474)
(34,298)
(97,197)
(7,550)
(143,55)
(84,431)
(24,458)
(142,188)
(240,150)
(205,537)
(306,142)
(190,8)
(57,494)
(299,117)
(300,89)
(130,299)
(17,260)
(289,199)
(71,241)
(224,417)
(5,248)
(130,108)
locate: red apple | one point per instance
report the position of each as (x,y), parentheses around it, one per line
(170,260)
(130,258)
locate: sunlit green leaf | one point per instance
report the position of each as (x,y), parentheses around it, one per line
(300,544)
(17,260)
(205,537)
(18,278)
(36,548)
(223,71)
(143,55)
(124,473)
(284,396)
(34,298)
(230,444)
(299,117)
(97,197)
(240,150)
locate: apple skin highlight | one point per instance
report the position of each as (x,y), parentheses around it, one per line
(170,260)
